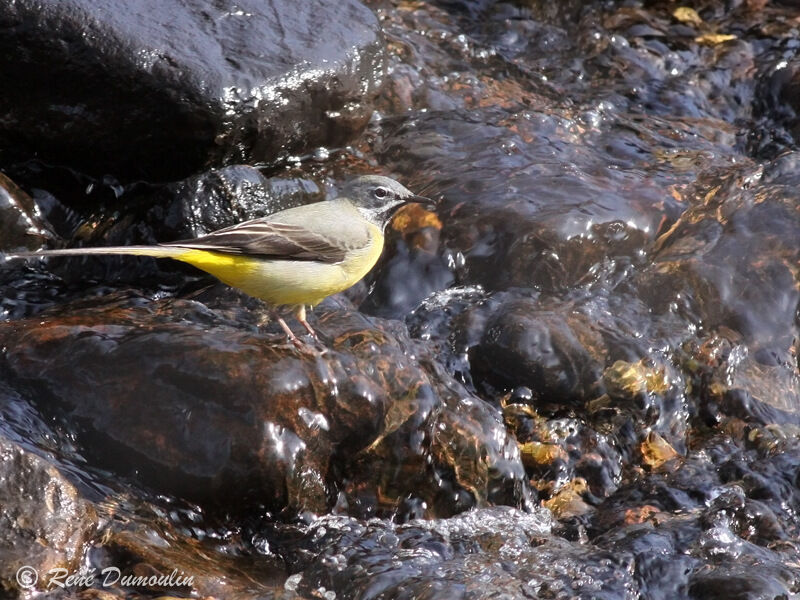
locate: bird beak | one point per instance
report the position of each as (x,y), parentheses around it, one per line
(430,205)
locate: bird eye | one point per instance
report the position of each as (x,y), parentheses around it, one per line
(381,192)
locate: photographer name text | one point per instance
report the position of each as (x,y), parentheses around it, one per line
(59,577)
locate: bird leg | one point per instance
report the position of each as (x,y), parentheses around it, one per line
(289,334)
(300,315)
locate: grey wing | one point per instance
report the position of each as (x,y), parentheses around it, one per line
(268,239)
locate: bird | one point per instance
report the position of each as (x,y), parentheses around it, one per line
(291,259)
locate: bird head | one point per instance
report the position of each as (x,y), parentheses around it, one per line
(378,198)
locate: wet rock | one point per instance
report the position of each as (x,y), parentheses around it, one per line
(222,197)
(625,380)
(598,171)
(144,545)
(573,418)
(726,268)
(232,411)
(553,347)
(776,101)
(524,203)
(745,489)
(526,345)
(671,559)
(198,205)
(21,225)
(744,280)
(568,501)
(448,322)
(739,582)
(45,523)
(687,526)
(147,91)
(499,215)
(784,170)
(750,519)
(567,458)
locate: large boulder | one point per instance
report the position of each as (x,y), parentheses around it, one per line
(156,90)
(203,405)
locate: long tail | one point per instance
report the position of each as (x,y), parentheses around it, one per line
(155,251)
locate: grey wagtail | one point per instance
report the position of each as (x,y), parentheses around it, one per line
(292,258)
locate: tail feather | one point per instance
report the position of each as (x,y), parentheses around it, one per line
(154,251)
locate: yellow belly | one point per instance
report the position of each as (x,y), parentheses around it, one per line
(288,282)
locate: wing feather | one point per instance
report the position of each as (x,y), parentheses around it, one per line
(268,239)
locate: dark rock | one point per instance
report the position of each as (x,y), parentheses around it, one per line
(688,527)
(145,543)
(148,90)
(21,227)
(726,263)
(44,524)
(200,204)
(777,93)
(603,212)
(449,323)
(507,224)
(558,357)
(750,519)
(727,259)
(737,583)
(673,559)
(222,197)
(202,406)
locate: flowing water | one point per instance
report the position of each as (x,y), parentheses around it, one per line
(577,377)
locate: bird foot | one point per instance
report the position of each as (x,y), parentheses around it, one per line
(302,346)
